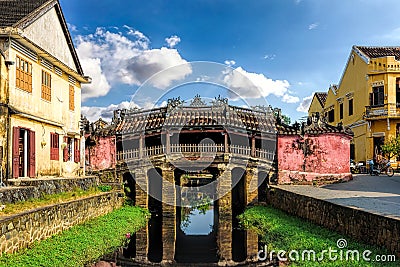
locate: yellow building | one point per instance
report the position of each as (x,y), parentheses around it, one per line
(43,96)
(367,99)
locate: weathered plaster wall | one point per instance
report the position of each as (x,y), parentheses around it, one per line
(47,32)
(366,227)
(20,231)
(313,157)
(102,155)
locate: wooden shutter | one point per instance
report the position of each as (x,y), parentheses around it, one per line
(77,155)
(65,151)
(32,154)
(15,152)
(54,147)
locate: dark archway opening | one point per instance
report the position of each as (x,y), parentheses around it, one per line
(155,248)
(239,236)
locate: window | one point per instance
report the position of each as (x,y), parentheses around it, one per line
(46,86)
(54,146)
(377,96)
(350,107)
(331,115)
(341,111)
(71,150)
(71,98)
(23,75)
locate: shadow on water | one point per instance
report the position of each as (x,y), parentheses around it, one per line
(196,225)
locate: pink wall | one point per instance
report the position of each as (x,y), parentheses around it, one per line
(102,155)
(320,157)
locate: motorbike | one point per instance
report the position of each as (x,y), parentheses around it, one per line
(383,168)
(355,167)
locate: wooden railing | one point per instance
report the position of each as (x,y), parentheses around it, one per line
(133,154)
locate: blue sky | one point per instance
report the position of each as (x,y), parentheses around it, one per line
(288,49)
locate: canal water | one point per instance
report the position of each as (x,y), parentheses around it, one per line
(197,237)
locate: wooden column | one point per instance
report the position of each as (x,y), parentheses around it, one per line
(253,146)
(169,213)
(141,146)
(226,142)
(224,238)
(167,143)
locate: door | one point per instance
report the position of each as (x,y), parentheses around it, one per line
(23,153)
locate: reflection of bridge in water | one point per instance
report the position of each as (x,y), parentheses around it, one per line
(215,157)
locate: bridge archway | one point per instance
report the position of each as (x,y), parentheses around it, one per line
(262,186)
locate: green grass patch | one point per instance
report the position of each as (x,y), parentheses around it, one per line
(46,199)
(81,244)
(279,231)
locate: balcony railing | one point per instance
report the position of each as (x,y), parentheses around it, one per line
(196,150)
(391,110)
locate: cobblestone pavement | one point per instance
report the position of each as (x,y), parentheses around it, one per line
(375,194)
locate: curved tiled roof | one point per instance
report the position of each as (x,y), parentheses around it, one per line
(311,128)
(380,51)
(197,117)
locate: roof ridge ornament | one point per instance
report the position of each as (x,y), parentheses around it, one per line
(220,101)
(197,102)
(174,103)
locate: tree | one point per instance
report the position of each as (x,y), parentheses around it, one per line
(391,148)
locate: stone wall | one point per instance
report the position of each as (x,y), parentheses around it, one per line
(24,189)
(363,226)
(308,158)
(21,230)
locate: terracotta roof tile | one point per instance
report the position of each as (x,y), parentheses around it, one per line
(13,11)
(321,96)
(383,51)
(245,119)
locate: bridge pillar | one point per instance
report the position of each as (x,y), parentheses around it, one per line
(252,194)
(251,184)
(224,237)
(169,214)
(141,201)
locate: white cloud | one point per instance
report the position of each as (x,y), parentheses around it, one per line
(230,63)
(305,104)
(112,58)
(297,1)
(290,99)
(173,41)
(313,26)
(71,27)
(106,113)
(270,57)
(254,85)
